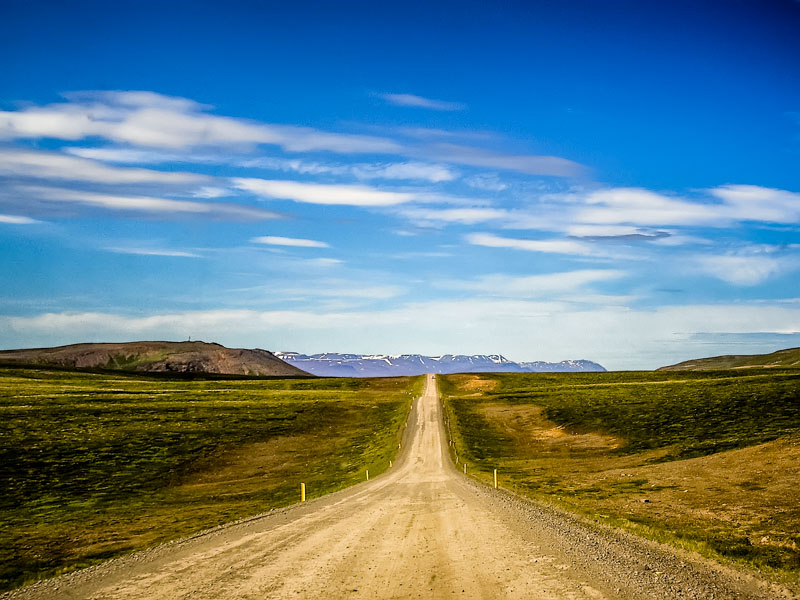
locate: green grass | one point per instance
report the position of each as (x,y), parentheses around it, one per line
(123,362)
(788,358)
(94,465)
(706,460)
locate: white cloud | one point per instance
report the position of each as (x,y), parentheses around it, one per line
(147,204)
(432,133)
(17,220)
(680,239)
(466,216)
(323,262)
(536,285)
(315,193)
(52,165)
(139,156)
(408,170)
(755,203)
(403,171)
(46,123)
(332,289)
(420,102)
(584,230)
(161,122)
(636,206)
(163,128)
(136,99)
(428,197)
(295,165)
(154,252)
(275,240)
(480,157)
(489,183)
(153,120)
(210,192)
(548,246)
(616,337)
(741,270)
(120,202)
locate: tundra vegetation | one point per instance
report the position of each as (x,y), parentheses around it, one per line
(709,461)
(95,465)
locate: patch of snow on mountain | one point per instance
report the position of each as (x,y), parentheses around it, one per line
(332,364)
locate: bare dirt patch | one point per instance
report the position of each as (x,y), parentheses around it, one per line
(474,383)
(529,428)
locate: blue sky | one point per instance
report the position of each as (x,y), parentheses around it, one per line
(617,181)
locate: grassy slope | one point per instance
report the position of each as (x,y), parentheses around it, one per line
(710,461)
(782,358)
(95,465)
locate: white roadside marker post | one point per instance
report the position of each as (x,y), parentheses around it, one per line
(465,468)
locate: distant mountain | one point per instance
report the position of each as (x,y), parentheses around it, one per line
(156,357)
(782,358)
(383,365)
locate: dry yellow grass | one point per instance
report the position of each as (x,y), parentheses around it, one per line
(739,504)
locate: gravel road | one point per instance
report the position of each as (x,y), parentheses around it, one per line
(422,530)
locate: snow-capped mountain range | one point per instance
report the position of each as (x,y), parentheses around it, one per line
(332,364)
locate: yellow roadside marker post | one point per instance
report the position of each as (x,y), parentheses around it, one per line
(302,492)
(367,474)
(495,479)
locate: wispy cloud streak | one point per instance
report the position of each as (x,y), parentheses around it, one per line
(147,120)
(421,102)
(147,204)
(54,165)
(315,193)
(276,240)
(547,246)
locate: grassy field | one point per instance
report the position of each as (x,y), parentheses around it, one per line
(95,465)
(709,461)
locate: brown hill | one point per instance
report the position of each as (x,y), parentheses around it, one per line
(782,358)
(156,357)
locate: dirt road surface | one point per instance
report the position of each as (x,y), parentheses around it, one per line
(422,530)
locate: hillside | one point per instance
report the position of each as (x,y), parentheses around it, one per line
(782,358)
(332,364)
(707,461)
(156,357)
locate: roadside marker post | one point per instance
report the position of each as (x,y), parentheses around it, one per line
(368,475)
(495,479)
(390,464)
(302,492)
(465,468)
